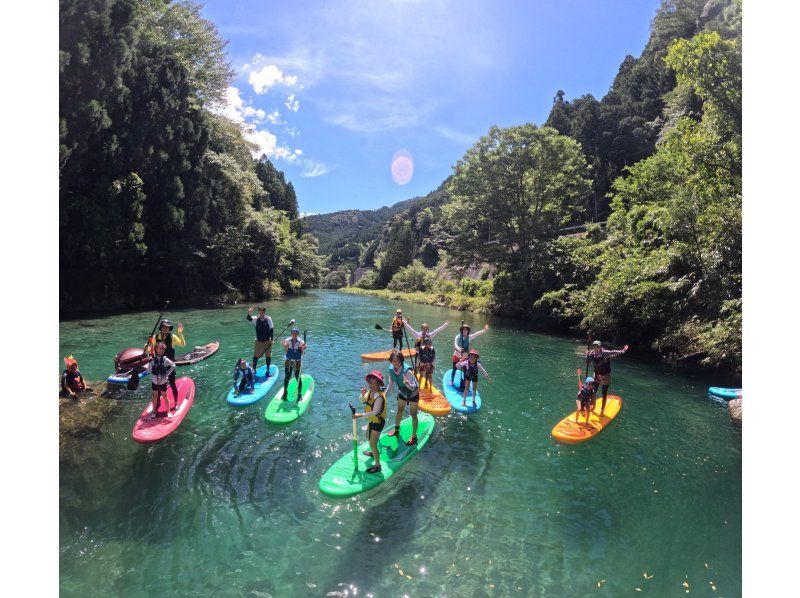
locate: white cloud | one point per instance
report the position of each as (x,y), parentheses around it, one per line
(457,136)
(269,76)
(292,104)
(314,169)
(274,118)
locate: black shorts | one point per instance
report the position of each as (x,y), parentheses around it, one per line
(397,335)
(471,377)
(161,387)
(586,403)
(414,399)
(375,426)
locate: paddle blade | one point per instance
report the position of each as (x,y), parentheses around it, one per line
(378,327)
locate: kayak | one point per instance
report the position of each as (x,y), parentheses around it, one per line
(432,401)
(456,397)
(384,355)
(568,431)
(282,412)
(122,377)
(342,480)
(149,430)
(198,354)
(262,387)
(725,393)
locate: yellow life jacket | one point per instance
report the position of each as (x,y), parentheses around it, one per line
(397,324)
(369,400)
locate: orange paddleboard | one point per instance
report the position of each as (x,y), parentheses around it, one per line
(384,355)
(432,401)
(567,430)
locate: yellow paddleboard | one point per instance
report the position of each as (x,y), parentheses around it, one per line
(568,431)
(432,401)
(384,355)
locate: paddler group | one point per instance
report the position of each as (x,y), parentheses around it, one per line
(408,379)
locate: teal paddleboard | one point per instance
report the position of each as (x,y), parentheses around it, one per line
(282,412)
(262,387)
(456,397)
(343,480)
(724,393)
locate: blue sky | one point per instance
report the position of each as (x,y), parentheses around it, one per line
(333,91)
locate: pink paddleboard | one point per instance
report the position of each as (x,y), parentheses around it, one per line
(150,430)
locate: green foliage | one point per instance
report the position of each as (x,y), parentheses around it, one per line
(399,252)
(368,281)
(151,183)
(335,279)
(476,288)
(415,277)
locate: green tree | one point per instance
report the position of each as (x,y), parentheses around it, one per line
(399,252)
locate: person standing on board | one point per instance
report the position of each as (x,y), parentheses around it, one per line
(470,368)
(169,340)
(402,376)
(601,360)
(397,329)
(264,336)
(294,348)
(374,400)
(461,346)
(584,402)
(425,332)
(161,368)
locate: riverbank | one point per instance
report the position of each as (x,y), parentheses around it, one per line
(455,300)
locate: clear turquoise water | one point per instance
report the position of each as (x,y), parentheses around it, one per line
(229,506)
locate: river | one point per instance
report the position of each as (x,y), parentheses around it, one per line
(229,505)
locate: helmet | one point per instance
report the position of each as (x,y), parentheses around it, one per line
(375,374)
(69,361)
(474,352)
(589,380)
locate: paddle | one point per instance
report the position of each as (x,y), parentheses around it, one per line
(155,326)
(355,437)
(300,365)
(133,379)
(408,346)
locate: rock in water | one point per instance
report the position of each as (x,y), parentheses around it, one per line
(735,409)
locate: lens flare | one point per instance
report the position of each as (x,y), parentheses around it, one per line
(402,167)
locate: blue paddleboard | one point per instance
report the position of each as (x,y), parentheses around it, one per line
(263,386)
(122,377)
(724,393)
(455,396)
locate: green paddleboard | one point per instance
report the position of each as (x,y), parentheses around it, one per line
(282,412)
(341,479)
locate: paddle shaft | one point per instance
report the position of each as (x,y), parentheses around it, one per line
(280,334)
(355,437)
(155,326)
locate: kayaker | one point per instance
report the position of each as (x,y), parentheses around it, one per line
(397,329)
(425,361)
(246,372)
(461,345)
(601,360)
(425,332)
(264,336)
(71,380)
(170,340)
(294,347)
(586,398)
(374,399)
(470,368)
(161,368)
(402,376)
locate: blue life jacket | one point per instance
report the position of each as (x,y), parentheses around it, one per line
(294,353)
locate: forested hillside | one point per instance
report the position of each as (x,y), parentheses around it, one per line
(160,197)
(658,158)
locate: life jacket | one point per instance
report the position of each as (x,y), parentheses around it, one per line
(263,329)
(463,342)
(400,381)
(370,402)
(421,340)
(397,324)
(248,374)
(584,394)
(167,340)
(74,381)
(294,353)
(602,363)
(470,370)
(427,355)
(159,368)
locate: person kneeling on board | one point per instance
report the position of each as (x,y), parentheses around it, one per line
(161,368)
(71,380)
(584,403)
(469,368)
(375,400)
(246,372)
(294,348)
(402,376)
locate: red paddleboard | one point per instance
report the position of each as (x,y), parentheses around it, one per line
(151,430)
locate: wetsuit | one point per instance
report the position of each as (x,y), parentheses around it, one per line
(602,368)
(263,344)
(73,382)
(461,349)
(170,340)
(294,358)
(397,332)
(248,376)
(426,358)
